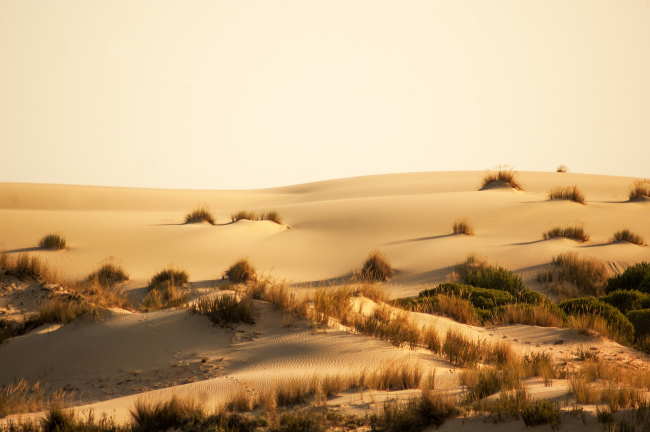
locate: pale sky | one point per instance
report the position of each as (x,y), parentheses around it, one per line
(248,94)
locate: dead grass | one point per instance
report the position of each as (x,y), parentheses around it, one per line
(275,291)
(571,193)
(462,226)
(376,267)
(23,397)
(376,293)
(53,241)
(384,325)
(537,315)
(174,413)
(571,232)
(628,236)
(272,216)
(562,169)
(164,296)
(225,309)
(109,273)
(243,214)
(169,276)
(201,214)
(241,271)
(502,173)
(25,265)
(639,189)
(457,309)
(587,274)
(332,303)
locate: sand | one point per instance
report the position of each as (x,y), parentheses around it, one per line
(329,228)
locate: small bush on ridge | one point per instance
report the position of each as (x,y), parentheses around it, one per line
(376,267)
(52,241)
(639,189)
(502,173)
(241,271)
(571,193)
(574,233)
(628,236)
(200,214)
(462,226)
(225,309)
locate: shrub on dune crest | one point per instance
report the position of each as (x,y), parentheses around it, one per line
(169,276)
(241,271)
(571,193)
(272,216)
(562,169)
(108,274)
(164,289)
(574,233)
(52,241)
(226,309)
(462,226)
(639,189)
(243,214)
(201,214)
(376,267)
(503,173)
(627,236)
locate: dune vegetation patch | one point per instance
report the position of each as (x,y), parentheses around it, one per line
(639,189)
(241,271)
(576,232)
(110,272)
(225,309)
(271,215)
(562,169)
(502,173)
(462,226)
(571,275)
(165,289)
(627,236)
(571,193)
(376,267)
(25,265)
(53,241)
(201,214)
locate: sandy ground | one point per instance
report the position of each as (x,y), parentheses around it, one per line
(329,227)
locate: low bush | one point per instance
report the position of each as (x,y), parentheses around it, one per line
(574,233)
(496,278)
(543,315)
(481,384)
(627,236)
(241,271)
(169,276)
(639,189)
(25,265)
(175,413)
(200,214)
(502,173)
(562,169)
(627,301)
(571,193)
(225,309)
(462,226)
(482,298)
(108,274)
(640,319)
(636,277)
(52,241)
(376,267)
(591,306)
(461,351)
(428,409)
(587,274)
(541,413)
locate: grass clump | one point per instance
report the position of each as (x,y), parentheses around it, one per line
(462,226)
(164,289)
(169,276)
(376,267)
(574,276)
(241,271)
(398,330)
(332,303)
(25,265)
(272,216)
(243,214)
(571,193)
(503,173)
(108,274)
(200,214)
(225,309)
(571,232)
(417,414)
(52,241)
(174,413)
(562,169)
(639,189)
(628,236)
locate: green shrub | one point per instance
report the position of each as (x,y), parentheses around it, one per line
(541,413)
(627,301)
(376,267)
(587,274)
(241,271)
(482,298)
(496,278)
(592,306)
(226,309)
(640,319)
(636,277)
(52,241)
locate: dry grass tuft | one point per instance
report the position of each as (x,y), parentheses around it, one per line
(108,274)
(573,275)
(332,303)
(169,276)
(23,397)
(462,226)
(457,309)
(376,293)
(628,236)
(164,289)
(201,214)
(25,265)
(376,267)
(174,413)
(243,214)
(502,173)
(272,216)
(571,193)
(639,189)
(225,309)
(537,315)
(562,169)
(575,233)
(52,241)
(241,271)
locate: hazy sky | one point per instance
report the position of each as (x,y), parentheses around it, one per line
(241,94)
